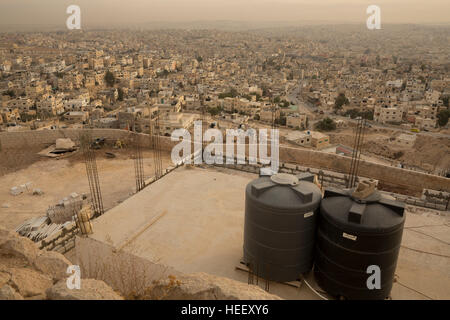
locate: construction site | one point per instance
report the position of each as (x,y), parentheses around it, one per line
(114,203)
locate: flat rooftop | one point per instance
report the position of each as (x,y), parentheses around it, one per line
(193,219)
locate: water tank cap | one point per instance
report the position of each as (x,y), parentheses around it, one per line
(284,179)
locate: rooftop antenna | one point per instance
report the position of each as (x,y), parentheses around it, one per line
(92,172)
(356,153)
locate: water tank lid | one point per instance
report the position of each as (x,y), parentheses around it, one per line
(285,191)
(372,213)
(285,179)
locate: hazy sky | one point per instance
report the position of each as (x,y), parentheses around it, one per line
(134,12)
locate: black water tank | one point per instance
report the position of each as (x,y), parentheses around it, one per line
(280,225)
(352,235)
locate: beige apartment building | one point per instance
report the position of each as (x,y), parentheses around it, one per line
(299,138)
(385,114)
(405,140)
(296,120)
(76,117)
(267,114)
(173,121)
(425,123)
(319,140)
(22,104)
(50,105)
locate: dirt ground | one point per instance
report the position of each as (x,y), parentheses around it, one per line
(429,154)
(59,178)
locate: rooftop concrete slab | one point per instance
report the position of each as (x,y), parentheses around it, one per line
(193,220)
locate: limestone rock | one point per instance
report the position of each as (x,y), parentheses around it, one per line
(19,247)
(29,282)
(64,144)
(8,293)
(6,234)
(91,289)
(202,286)
(53,264)
(4,278)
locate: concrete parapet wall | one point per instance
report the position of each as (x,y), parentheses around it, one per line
(123,271)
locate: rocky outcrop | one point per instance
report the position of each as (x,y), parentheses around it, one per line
(8,293)
(202,286)
(90,290)
(29,282)
(18,247)
(29,273)
(53,264)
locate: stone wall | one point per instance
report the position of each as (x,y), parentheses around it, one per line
(21,139)
(61,241)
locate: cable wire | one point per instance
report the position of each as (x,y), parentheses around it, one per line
(314,290)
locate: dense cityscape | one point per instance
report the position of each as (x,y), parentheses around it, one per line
(334,183)
(299,79)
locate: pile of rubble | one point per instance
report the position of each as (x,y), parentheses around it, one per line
(25,188)
(29,273)
(17,190)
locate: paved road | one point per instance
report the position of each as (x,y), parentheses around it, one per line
(294,95)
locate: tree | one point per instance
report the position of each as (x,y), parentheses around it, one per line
(230,94)
(443,117)
(10,93)
(340,101)
(214,111)
(109,78)
(284,104)
(445,100)
(281,121)
(354,113)
(120,93)
(326,124)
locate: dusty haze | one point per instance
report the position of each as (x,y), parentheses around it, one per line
(113,13)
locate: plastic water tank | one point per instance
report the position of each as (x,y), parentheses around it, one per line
(352,236)
(280,225)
